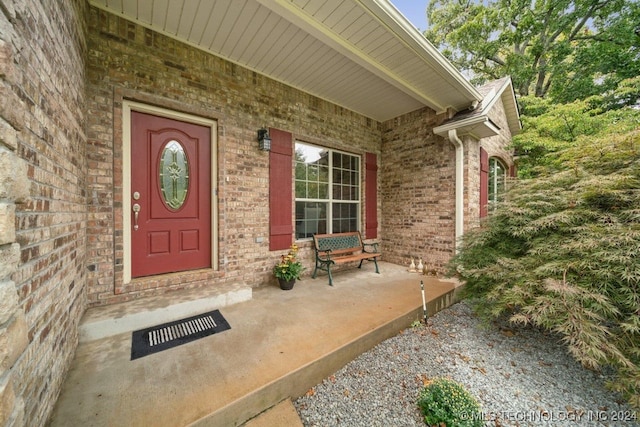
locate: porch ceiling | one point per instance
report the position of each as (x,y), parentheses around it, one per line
(360,54)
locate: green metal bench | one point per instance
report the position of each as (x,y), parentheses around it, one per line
(340,248)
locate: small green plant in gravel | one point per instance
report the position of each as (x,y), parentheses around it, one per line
(446,402)
(416,324)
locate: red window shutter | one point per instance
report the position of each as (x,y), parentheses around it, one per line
(280,190)
(513,171)
(371,195)
(484,182)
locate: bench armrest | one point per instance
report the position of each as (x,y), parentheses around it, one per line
(326,252)
(374,244)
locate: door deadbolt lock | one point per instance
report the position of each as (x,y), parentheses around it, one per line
(136,195)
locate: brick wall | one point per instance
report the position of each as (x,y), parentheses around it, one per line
(498,145)
(418,186)
(13,189)
(42,202)
(472,182)
(127,61)
(417,181)
(495,146)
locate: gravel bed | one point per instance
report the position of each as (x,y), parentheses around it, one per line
(521,377)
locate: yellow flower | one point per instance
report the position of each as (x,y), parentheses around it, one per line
(288,268)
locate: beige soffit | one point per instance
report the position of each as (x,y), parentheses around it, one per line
(363,55)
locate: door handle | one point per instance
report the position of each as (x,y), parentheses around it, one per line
(136,211)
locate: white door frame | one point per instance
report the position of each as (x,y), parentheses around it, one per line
(127,108)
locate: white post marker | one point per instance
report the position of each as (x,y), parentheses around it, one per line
(424,302)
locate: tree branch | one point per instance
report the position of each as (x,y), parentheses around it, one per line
(592,10)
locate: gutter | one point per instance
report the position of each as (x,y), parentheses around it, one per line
(455,140)
(489,128)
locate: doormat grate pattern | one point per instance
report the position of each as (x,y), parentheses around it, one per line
(168,335)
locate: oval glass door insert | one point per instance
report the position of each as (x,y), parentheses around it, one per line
(174,175)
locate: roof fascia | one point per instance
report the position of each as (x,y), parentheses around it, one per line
(497,95)
(509,100)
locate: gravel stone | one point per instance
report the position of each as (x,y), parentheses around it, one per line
(521,376)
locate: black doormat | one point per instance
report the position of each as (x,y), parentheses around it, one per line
(162,337)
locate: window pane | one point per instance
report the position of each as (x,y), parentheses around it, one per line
(323,191)
(323,173)
(497,178)
(309,154)
(346,180)
(311,218)
(337,160)
(355,194)
(337,192)
(316,183)
(345,217)
(301,171)
(301,189)
(312,172)
(312,192)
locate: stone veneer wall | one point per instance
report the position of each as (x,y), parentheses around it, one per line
(418,191)
(127,61)
(42,201)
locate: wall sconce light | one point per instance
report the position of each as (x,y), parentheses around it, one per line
(264,140)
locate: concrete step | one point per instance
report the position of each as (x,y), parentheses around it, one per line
(106,321)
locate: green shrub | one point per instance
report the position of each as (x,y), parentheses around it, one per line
(562,252)
(446,401)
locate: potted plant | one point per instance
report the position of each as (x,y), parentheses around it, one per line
(288,269)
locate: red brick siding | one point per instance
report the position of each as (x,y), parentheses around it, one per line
(417,179)
(129,61)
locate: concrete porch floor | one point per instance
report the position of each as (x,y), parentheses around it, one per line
(281,343)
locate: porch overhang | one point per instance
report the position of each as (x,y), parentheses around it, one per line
(363,55)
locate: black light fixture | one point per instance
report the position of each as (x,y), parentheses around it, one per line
(264,141)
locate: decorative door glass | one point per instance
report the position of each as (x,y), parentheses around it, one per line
(174,175)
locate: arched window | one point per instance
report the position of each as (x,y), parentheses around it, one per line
(493,179)
(497,180)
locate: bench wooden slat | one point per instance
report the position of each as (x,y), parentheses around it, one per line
(340,248)
(349,258)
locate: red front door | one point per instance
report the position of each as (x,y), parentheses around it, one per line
(171,195)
